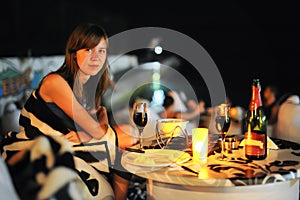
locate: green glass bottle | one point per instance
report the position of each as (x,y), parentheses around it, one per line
(255,126)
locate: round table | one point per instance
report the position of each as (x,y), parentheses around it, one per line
(276,177)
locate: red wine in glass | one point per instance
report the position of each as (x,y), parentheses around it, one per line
(140,119)
(222,122)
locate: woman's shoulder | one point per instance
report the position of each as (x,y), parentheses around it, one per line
(53,79)
(53,76)
(53,86)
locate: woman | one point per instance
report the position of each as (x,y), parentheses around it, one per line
(67,103)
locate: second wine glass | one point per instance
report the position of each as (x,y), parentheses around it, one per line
(140,119)
(222,122)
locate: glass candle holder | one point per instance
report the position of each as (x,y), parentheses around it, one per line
(200,145)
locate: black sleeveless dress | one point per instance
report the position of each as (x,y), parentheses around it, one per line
(93,161)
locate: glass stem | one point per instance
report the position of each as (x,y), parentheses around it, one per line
(222,148)
(140,137)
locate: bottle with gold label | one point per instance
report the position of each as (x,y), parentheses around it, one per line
(255,126)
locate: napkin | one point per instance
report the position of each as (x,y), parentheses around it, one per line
(270,144)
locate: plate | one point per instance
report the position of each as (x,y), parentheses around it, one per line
(156,157)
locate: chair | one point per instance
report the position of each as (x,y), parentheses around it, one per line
(288,122)
(10,118)
(7,188)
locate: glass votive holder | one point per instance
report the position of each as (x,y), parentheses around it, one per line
(231,143)
(200,145)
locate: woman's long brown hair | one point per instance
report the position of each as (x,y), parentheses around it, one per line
(85,36)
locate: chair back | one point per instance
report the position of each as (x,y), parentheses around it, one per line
(288,123)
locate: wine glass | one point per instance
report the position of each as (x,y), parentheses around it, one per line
(140,119)
(222,122)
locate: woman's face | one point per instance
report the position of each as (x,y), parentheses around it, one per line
(90,61)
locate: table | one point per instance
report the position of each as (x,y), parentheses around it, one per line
(276,177)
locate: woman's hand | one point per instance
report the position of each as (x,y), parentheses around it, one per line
(78,137)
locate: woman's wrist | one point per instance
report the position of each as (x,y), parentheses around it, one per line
(104,128)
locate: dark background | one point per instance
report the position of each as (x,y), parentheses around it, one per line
(245,40)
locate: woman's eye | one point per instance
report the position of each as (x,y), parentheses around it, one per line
(102,51)
(91,51)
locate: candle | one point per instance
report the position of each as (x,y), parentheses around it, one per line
(200,145)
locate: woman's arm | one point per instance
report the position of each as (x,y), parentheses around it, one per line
(55,89)
(200,108)
(77,137)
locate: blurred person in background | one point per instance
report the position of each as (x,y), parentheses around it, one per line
(237,115)
(168,108)
(270,95)
(193,111)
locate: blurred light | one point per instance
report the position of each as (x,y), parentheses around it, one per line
(158,49)
(156,86)
(156,66)
(158,97)
(156,76)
